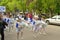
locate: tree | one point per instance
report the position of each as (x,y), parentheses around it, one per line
(14,4)
(32,5)
(57,10)
(39,6)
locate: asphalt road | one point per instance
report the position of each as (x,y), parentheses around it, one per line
(53,33)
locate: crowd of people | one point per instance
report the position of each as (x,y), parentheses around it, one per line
(34,23)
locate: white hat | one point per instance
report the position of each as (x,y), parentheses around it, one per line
(16,18)
(22,18)
(36,16)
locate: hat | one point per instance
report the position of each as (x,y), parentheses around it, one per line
(22,18)
(35,16)
(16,18)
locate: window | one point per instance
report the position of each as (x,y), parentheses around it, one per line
(58,17)
(54,17)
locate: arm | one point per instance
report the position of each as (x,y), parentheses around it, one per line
(4,23)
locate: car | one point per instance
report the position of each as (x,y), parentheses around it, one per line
(53,20)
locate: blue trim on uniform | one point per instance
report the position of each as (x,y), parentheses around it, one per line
(31,20)
(16,25)
(5,19)
(34,23)
(8,20)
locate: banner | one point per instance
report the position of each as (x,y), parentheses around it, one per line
(2,9)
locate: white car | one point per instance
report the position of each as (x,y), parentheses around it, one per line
(54,20)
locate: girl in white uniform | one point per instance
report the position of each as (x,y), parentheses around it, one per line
(10,22)
(19,28)
(44,25)
(36,26)
(7,21)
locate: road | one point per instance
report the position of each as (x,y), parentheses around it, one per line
(53,33)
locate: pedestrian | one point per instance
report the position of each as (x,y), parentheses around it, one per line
(6,19)
(44,25)
(19,28)
(2,26)
(36,26)
(10,22)
(32,23)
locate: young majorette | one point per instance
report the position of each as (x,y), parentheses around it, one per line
(6,19)
(36,26)
(43,27)
(32,23)
(19,28)
(11,23)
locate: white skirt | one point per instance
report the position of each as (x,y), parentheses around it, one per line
(10,25)
(19,29)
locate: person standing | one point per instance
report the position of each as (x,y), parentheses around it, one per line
(19,28)
(44,25)
(2,26)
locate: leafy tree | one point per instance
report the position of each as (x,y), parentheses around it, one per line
(39,6)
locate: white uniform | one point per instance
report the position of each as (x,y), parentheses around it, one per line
(19,26)
(11,22)
(43,23)
(38,25)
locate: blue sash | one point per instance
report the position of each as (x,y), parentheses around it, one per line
(16,25)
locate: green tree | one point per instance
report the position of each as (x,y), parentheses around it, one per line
(40,6)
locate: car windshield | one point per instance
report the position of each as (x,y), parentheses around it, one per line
(58,17)
(54,17)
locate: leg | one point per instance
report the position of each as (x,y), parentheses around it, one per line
(35,32)
(9,29)
(44,29)
(40,31)
(2,34)
(17,35)
(21,34)
(12,26)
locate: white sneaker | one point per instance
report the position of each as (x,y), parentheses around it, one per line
(44,33)
(34,36)
(40,33)
(22,38)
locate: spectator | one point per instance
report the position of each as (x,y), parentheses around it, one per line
(2,26)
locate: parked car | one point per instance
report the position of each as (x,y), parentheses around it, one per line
(53,20)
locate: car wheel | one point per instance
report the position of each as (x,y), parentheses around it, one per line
(47,22)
